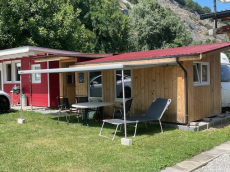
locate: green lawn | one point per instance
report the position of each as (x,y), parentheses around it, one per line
(42,145)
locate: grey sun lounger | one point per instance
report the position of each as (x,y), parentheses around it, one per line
(154,112)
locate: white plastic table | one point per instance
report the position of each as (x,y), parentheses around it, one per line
(89,105)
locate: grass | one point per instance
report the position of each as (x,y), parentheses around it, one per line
(42,145)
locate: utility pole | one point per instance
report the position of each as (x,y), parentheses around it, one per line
(214,5)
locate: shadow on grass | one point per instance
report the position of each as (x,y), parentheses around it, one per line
(109,129)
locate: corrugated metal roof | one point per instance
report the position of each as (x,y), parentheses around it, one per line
(162,53)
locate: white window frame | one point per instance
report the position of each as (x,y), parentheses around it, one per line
(33,75)
(115,87)
(89,96)
(199,71)
(5,72)
(13,75)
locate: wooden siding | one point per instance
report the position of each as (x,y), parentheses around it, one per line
(167,82)
(204,101)
(159,82)
(108,90)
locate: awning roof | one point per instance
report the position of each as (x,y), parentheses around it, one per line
(96,68)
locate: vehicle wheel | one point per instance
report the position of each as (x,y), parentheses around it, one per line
(127,92)
(4,105)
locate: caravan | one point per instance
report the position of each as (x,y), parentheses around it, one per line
(225,80)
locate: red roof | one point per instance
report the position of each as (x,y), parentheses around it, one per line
(162,53)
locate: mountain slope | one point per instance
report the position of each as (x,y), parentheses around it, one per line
(198,28)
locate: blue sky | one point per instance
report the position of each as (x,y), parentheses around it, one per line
(209,3)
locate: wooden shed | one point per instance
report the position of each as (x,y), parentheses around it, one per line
(190,76)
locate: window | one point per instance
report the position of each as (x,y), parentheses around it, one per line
(7,72)
(36,77)
(127,84)
(201,73)
(16,65)
(225,73)
(95,87)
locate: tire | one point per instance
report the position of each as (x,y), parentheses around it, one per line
(127,92)
(4,105)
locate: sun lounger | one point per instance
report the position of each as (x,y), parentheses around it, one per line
(154,112)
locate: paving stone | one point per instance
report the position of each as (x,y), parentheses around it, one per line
(187,165)
(171,169)
(224,146)
(203,158)
(215,152)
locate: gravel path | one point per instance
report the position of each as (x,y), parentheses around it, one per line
(220,164)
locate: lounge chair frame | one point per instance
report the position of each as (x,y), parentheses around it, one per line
(154,112)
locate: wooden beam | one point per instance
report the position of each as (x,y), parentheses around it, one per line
(189,58)
(228,34)
(223,29)
(214,51)
(225,19)
(136,62)
(45,59)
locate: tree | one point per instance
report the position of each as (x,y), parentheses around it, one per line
(106,21)
(48,23)
(154,27)
(206,10)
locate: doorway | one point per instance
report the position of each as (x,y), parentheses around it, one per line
(67,82)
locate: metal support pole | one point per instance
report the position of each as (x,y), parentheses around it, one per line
(123,90)
(21,94)
(214,5)
(30,77)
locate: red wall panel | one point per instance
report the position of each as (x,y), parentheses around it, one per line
(39,90)
(54,84)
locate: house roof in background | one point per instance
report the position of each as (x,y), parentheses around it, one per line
(40,52)
(162,53)
(217,15)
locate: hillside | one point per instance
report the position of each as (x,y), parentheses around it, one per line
(198,28)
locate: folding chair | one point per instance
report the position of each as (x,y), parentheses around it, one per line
(64,108)
(119,111)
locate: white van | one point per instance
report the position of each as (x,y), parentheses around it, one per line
(225,80)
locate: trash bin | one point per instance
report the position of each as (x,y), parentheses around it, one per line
(24,100)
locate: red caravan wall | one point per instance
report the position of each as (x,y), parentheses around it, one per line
(39,90)
(54,84)
(7,87)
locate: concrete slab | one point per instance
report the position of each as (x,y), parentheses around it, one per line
(187,165)
(203,158)
(170,169)
(224,146)
(215,152)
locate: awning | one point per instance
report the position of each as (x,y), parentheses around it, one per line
(121,67)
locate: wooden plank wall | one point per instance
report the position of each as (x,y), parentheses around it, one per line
(66,90)
(108,90)
(159,82)
(204,101)
(148,84)
(166,82)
